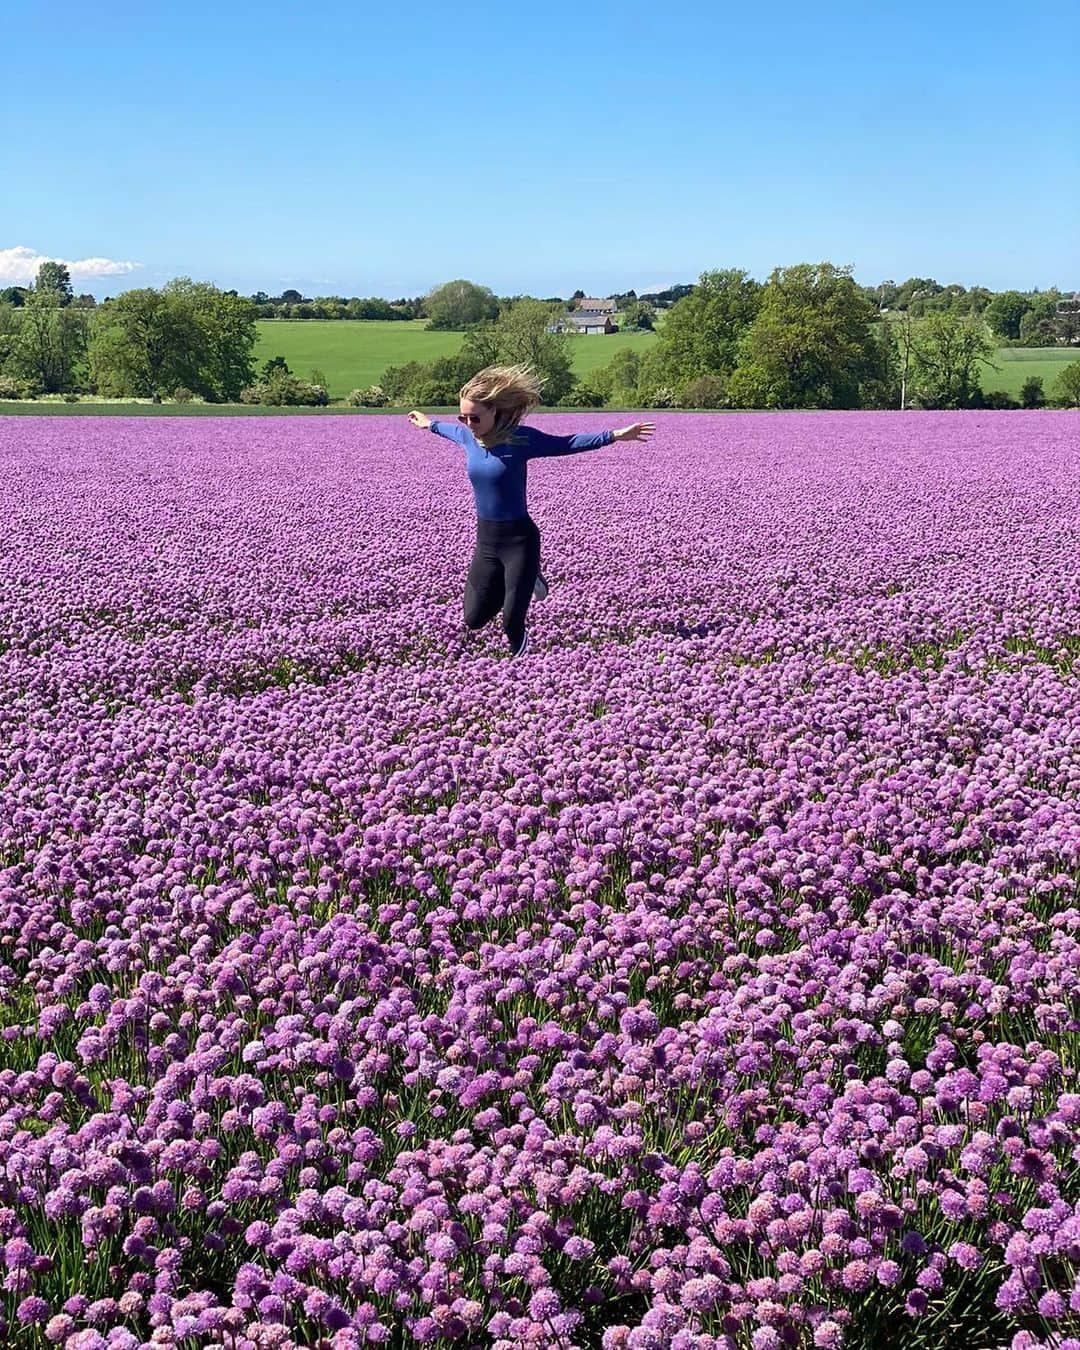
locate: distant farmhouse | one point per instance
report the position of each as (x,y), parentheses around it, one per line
(590,316)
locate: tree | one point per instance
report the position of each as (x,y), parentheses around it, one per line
(882,388)
(146,342)
(520,334)
(54,276)
(9,332)
(1038,327)
(905,347)
(1005,312)
(460,304)
(1037,331)
(651,378)
(410,309)
(810,345)
(703,329)
(618,380)
(1067,386)
(374,307)
(665,299)
(944,298)
(330,306)
(637,314)
(49,343)
(947,353)
(915,290)
(975,301)
(225,325)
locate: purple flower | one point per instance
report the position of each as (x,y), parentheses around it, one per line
(59,1327)
(732,920)
(1011,1295)
(887,1273)
(1052,1306)
(965,1255)
(32,1310)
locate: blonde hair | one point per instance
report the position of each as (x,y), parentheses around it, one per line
(511,390)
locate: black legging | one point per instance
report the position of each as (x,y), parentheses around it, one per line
(502,575)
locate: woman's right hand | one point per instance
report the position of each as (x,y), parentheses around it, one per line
(419,419)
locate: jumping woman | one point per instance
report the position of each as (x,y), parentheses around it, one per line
(505,569)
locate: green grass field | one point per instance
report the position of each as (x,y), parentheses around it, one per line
(354,354)
(1016,364)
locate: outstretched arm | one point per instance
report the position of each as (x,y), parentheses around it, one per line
(542,445)
(449,430)
(637,431)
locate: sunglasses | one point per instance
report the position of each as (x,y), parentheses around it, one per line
(470,418)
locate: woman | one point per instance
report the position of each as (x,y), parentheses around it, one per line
(505,569)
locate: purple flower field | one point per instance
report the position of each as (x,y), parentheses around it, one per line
(707,978)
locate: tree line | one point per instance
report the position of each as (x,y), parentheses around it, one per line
(807,337)
(1030,318)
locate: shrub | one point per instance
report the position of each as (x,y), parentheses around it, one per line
(618,381)
(1066,389)
(301,393)
(71,397)
(997,400)
(374,396)
(312,395)
(182,394)
(1032,394)
(282,390)
(583,396)
(707,391)
(22,386)
(399,380)
(433,393)
(427,384)
(663,396)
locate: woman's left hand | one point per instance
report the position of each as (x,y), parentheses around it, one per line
(640,431)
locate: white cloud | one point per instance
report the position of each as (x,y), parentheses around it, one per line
(20,264)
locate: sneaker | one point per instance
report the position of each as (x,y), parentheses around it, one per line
(540,588)
(523,648)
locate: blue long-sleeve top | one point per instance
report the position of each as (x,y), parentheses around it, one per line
(498,475)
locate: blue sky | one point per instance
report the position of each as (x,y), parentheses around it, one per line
(383,149)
